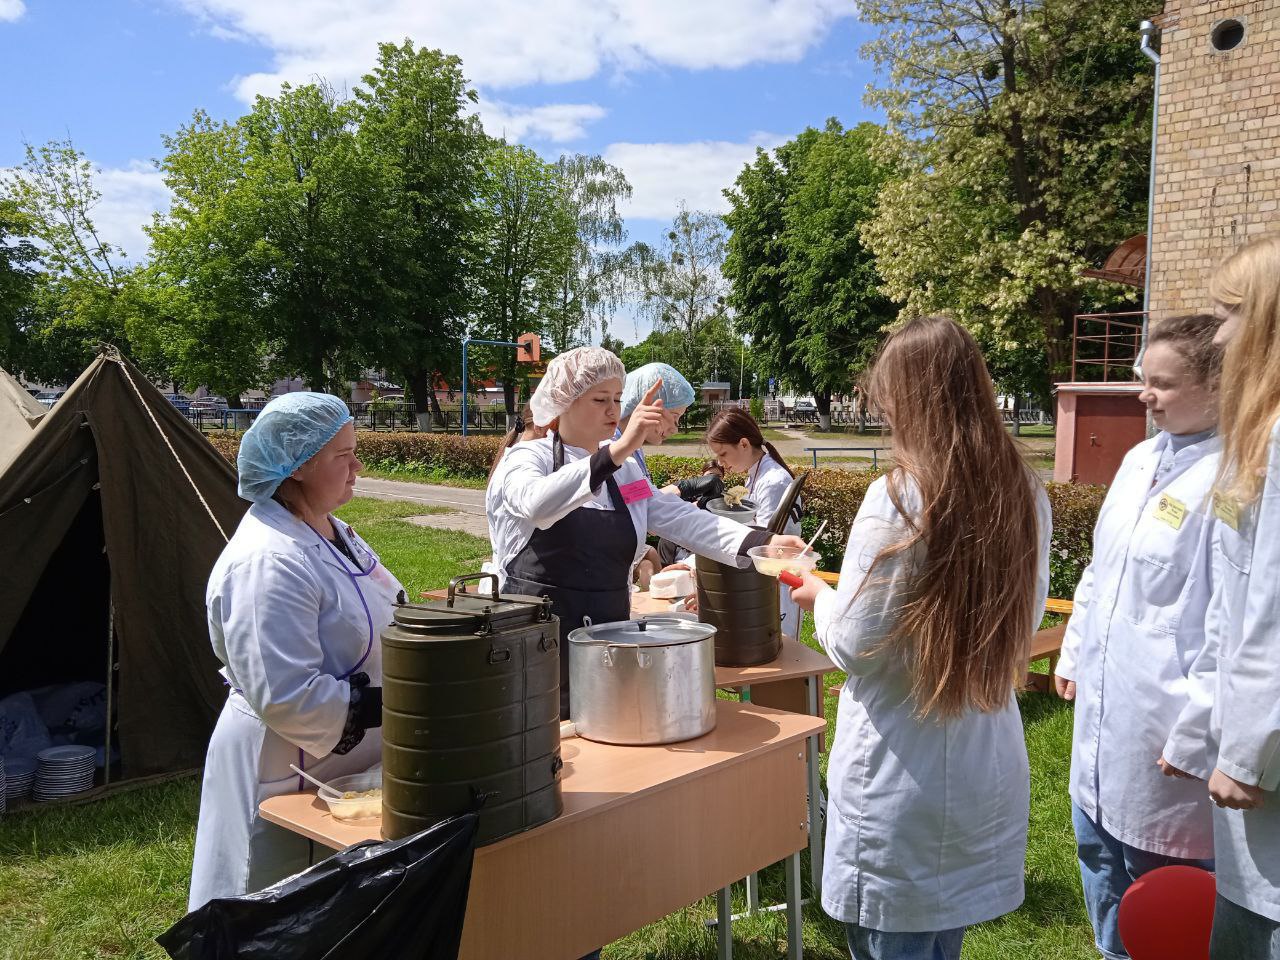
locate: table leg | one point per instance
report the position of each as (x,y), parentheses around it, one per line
(753,893)
(724,925)
(795,929)
(814,685)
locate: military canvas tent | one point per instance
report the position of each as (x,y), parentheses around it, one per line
(113,512)
(19,413)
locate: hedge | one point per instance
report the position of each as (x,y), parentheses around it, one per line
(833,495)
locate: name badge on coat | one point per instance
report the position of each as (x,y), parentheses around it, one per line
(1227,509)
(635,490)
(1170,510)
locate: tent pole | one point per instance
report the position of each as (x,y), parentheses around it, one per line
(111,662)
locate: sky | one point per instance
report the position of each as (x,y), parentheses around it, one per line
(676,93)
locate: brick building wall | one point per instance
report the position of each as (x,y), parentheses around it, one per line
(1218,150)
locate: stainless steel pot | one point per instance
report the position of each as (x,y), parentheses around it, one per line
(643,681)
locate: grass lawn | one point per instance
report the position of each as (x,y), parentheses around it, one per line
(103,879)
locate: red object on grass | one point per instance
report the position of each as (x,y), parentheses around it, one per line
(1168,914)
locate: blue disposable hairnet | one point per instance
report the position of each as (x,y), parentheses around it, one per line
(676,391)
(288,432)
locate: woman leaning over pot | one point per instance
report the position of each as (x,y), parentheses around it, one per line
(582,505)
(295,602)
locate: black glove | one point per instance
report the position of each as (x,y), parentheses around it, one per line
(703,488)
(364,712)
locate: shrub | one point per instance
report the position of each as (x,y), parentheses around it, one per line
(1075,511)
(467,457)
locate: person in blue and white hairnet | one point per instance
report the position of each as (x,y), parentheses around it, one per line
(675,392)
(295,602)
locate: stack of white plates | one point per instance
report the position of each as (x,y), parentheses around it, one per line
(19,775)
(64,771)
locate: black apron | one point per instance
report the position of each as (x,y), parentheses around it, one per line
(583,563)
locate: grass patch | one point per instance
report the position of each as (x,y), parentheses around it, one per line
(103,879)
(436,475)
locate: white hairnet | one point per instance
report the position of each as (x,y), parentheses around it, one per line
(569,376)
(676,391)
(288,432)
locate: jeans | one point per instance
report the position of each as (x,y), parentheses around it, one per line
(1238,932)
(867,944)
(1108,868)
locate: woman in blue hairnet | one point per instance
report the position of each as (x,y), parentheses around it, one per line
(295,602)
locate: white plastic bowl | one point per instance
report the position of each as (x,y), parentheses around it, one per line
(356,808)
(772,561)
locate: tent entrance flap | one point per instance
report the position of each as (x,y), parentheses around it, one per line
(61,635)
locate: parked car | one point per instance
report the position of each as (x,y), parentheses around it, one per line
(805,406)
(208,405)
(49,397)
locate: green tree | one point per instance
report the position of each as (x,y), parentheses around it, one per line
(602,273)
(19,259)
(684,288)
(526,243)
(1022,132)
(81,296)
(805,287)
(414,122)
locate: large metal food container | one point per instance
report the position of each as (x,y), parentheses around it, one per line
(471,710)
(740,603)
(643,681)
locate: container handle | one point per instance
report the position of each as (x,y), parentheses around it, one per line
(453,585)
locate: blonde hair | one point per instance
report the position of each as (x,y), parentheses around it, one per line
(966,629)
(1248,281)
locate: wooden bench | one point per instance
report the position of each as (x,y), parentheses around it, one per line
(1045,643)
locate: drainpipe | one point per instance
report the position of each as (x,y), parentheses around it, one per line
(1148,30)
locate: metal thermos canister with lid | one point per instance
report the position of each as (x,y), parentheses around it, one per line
(740,603)
(471,711)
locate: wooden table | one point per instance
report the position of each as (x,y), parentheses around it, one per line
(793,681)
(645,831)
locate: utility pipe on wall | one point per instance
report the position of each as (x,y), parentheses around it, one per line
(1148,30)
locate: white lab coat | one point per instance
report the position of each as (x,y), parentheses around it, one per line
(1245,622)
(533,497)
(926,821)
(1133,645)
(767,483)
(503,526)
(287,622)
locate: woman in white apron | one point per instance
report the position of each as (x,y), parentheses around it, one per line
(734,438)
(1245,619)
(501,527)
(1134,659)
(944,580)
(296,603)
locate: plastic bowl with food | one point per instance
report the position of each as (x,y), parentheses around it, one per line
(360,796)
(771,561)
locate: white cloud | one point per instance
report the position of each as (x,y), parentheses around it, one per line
(509,43)
(12,10)
(664,175)
(129,197)
(557,122)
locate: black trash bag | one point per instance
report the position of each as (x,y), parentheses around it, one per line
(399,899)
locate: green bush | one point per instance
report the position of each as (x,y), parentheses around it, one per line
(450,454)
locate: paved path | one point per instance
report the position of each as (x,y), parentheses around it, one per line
(462,499)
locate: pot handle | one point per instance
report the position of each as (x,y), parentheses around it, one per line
(643,658)
(453,585)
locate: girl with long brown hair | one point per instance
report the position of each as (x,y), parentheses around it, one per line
(944,581)
(1245,727)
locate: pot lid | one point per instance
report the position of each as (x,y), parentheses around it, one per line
(649,632)
(466,613)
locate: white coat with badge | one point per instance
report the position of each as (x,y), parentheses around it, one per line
(767,484)
(532,496)
(287,621)
(926,820)
(1245,623)
(1135,647)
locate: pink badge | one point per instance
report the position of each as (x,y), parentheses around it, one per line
(636,490)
